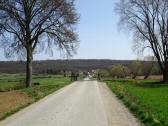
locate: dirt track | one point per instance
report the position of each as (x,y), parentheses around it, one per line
(84,103)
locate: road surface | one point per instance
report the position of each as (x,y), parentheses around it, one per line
(83,103)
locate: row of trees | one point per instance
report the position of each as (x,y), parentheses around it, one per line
(137,68)
(28,26)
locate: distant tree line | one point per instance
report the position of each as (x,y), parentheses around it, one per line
(55,66)
(106,68)
(136,68)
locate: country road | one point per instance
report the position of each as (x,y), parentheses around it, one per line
(83,103)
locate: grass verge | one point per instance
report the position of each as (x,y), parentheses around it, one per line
(148,103)
(10,83)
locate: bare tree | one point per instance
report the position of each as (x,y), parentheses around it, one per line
(148,20)
(147,66)
(31,25)
(136,68)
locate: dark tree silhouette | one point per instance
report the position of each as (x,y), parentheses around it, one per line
(27,26)
(147,66)
(148,20)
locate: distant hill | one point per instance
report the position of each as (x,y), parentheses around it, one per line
(58,65)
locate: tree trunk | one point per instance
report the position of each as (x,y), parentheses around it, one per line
(134,76)
(165,73)
(146,76)
(29,68)
(64,73)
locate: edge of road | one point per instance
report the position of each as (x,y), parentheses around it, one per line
(30,106)
(108,98)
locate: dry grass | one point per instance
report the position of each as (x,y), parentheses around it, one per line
(152,77)
(156,77)
(11,101)
(12,98)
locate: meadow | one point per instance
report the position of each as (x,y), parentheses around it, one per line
(147,99)
(14,96)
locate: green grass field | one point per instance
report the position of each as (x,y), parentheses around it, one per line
(48,84)
(147,100)
(11,81)
(15,83)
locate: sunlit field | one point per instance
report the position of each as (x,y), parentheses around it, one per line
(147,99)
(15,96)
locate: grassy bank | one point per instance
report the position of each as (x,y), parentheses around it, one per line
(148,100)
(14,96)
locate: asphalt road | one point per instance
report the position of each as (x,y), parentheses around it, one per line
(83,103)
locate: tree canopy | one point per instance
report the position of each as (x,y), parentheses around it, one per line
(148,21)
(27,26)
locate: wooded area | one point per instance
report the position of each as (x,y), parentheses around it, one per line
(56,65)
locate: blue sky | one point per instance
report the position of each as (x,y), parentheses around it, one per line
(98,33)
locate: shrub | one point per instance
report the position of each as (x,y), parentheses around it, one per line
(119,71)
(136,68)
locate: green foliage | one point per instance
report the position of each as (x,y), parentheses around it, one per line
(119,71)
(104,73)
(149,104)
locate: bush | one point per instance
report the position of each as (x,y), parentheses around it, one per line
(104,73)
(119,71)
